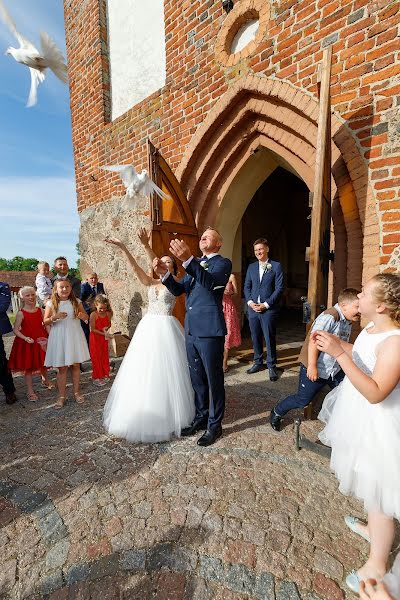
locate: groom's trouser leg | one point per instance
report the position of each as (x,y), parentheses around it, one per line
(268,321)
(211,351)
(256,336)
(198,378)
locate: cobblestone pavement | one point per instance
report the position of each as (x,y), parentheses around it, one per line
(83,515)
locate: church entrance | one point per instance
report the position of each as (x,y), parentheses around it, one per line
(279,211)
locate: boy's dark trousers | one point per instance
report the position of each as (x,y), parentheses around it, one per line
(6,380)
(306,391)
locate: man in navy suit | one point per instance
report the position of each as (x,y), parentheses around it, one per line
(205,328)
(89,291)
(262,288)
(6,380)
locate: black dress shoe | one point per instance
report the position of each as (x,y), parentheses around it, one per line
(275,420)
(273,374)
(11,398)
(255,368)
(194,428)
(210,437)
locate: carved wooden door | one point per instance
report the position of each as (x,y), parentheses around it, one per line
(172,218)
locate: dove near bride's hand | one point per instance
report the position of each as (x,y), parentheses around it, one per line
(159,267)
(180,249)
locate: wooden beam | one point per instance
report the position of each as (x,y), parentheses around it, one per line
(321,207)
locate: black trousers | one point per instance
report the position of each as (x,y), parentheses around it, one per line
(6,380)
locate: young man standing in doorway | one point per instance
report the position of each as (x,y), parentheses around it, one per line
(262,288)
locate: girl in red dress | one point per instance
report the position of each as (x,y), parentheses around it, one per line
(100,322)
(29,348)
(233,339)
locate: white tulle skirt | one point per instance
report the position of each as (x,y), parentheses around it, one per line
(365,442)
(152,397)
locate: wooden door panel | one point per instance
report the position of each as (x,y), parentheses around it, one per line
(171,218)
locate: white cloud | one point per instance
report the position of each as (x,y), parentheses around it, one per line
(38,217)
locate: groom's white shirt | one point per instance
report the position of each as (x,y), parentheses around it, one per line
(185,264)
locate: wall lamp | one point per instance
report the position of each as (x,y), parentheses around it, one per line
(227,5)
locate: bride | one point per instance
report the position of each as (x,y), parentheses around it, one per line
(152,397)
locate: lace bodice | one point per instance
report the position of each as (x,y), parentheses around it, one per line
(161,301)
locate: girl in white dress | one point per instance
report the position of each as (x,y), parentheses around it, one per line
(67,343)
(152,397)
(362,419)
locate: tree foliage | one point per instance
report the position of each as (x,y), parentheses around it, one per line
(18,263)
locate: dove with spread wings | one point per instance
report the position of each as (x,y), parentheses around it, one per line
(136,183)
(27,54)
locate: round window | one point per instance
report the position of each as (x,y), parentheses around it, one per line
(246,34)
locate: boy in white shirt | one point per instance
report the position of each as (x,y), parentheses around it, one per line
(43,282)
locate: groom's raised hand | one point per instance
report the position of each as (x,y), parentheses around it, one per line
(159,267)
(180,249)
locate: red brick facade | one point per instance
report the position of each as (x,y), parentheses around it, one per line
(215,108)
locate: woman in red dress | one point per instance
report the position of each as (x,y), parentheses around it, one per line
(100,322)
(29,348)
(233,339)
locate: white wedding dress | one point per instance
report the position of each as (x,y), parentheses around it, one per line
(152,397)
(364,437)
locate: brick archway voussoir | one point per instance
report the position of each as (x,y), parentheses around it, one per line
(278,123)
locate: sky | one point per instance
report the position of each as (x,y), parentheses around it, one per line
(38,215)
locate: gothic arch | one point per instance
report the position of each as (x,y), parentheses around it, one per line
(273,115)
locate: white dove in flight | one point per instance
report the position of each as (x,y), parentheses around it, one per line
(27,54)
(136,183)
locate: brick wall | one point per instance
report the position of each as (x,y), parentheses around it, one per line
(364,35)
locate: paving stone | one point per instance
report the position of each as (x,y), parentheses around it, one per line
(7,575)
(325,563)
(328,589)
(133,560)
(26,499)
(288,591)
(264,588)
(104,567)
(198,589)
(6,488)
(240,579)
(78,573)
(52,527)
(238,551)
(170,586)
(174,558)
(51,582)
(57,555)
(211,568)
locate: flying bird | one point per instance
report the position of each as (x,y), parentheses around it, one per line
(136,183)
(27,54)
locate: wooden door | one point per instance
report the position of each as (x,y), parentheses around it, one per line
(172,218)
(319,254)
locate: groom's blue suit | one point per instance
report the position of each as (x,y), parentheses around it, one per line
(205,332)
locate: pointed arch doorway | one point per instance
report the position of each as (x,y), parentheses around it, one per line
(261,124)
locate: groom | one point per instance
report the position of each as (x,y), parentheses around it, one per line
(205,329)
